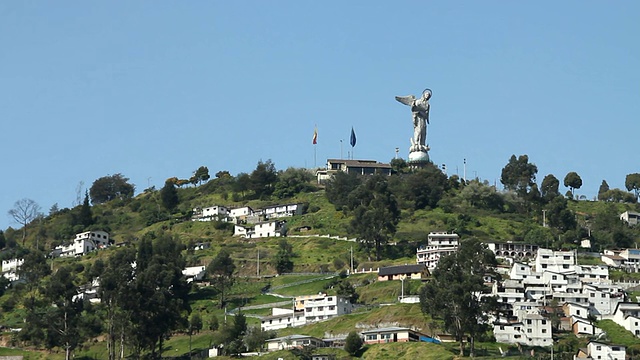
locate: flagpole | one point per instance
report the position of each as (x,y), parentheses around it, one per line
(314,156)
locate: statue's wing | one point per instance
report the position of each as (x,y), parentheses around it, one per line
(407,100)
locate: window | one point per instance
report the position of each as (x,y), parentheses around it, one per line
(544,322)
(308,309)
(528,321)
(598,347)
(332,307)
(529,330)
(567,257)
(544,266)
(320,308)
(565,266)
(329,299)
(554,277)
(544,331)
(372,337)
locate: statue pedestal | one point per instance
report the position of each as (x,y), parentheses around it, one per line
(418,159)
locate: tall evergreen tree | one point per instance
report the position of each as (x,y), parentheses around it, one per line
(85,217)
(169,196)
(602,190)
(220,271)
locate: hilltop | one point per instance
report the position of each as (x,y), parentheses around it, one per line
(373,221)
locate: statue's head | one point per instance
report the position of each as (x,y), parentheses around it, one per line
(426,94)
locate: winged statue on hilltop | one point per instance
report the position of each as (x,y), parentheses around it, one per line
(420,113)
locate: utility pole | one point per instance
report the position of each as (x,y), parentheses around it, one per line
(258,265)
(464,167)
(351,259)
(544,218)
(397,149)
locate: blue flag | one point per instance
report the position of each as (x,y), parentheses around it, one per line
(353,137)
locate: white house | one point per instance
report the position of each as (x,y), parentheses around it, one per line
(556,261)
(532,330)
(512,250)
(83,243)
(293,342)
(211,213)
(631,218)
(271,228)
(519,270)
(11,265)
(282,318)
(593,273)
(194,273)
(240,214)
(603,298)
(627,315)
(322,306)
(439,244)
(278,211)
(599,350)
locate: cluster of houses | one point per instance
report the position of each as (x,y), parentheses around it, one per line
(250,223)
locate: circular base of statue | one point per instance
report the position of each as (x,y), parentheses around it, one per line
(418,157)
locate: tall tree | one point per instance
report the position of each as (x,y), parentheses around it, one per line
(24,212)
(63,319)
(572,181)
(263,179)
(282,260)
(454,293)
(201,175)
(115,293)
(519,175)
(375,213)
(549,187)
(339,187)
(353,343)
(85,217)
(632,182)
(292,182)
(161,291)
(221,270)
(602,190)
(169,196)
(109,188)
(424,187)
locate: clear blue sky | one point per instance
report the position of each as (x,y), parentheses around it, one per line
(155,89)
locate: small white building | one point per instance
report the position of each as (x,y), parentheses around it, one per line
(83,243)
(512,250)
(603,298)
(556,261)
(240,214)
(439,244)
(599,350)
(11,265)
(194,273)
(271,228)
(322,306)
(211,213)
(627,315)
(532,330)
(282,318)
(278,211)
(631,218)
(293,342)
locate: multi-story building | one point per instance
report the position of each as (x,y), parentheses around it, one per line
(512,250)
(282,318)
(271,228)
(532,329)
(11,265)
(359,167)
(556,261)
(211,213)
(83,243)
(627,315)
(322,306)
(278,211)
(631,218)
(599,350)
(439,244)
